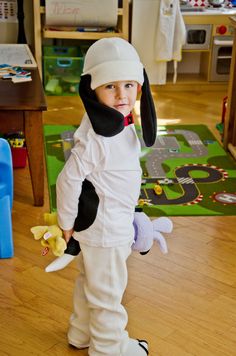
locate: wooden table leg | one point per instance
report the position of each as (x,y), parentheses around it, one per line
(34,143)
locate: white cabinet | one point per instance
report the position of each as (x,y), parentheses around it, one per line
(195,66)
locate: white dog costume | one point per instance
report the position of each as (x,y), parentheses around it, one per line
(97,192)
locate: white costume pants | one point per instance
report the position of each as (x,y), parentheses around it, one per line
(99,319)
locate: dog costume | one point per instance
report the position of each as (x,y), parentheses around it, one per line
(97,192)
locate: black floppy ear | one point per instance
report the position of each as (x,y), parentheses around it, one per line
(105,120)
(148,113)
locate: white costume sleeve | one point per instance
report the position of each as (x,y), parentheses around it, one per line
(84,158)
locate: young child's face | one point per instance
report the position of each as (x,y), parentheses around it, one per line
(120,95)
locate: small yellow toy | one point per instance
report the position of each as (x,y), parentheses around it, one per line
(157,189)
(51,236)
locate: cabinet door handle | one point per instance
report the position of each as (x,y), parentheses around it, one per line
(223,42)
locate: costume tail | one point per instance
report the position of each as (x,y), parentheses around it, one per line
(60,263)
(72,250)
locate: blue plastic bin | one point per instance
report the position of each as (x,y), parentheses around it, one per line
(6,200)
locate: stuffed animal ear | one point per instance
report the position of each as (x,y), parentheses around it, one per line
(38,231)
(161,241)
(162,224)
(148,113)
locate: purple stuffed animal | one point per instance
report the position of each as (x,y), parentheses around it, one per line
(147,231)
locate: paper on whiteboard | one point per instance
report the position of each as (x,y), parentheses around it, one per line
(92,13)
(8,11)
(17,55)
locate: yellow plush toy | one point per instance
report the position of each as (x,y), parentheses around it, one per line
(51,235)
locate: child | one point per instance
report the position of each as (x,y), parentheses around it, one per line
(97,192)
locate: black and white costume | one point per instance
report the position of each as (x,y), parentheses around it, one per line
(97,192)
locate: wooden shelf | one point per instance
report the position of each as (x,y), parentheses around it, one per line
(40,31)
(76,35)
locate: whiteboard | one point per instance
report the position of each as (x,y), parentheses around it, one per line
(17,55)
(92,13)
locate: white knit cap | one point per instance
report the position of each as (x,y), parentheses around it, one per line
(112,59)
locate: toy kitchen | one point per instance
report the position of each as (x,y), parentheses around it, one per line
(207,51)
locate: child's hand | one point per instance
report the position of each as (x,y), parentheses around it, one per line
(67,234)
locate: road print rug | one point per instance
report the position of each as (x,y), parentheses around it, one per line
(186,172)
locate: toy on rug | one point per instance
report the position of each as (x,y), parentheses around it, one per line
(146,232)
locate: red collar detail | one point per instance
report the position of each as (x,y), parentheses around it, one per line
(128,119)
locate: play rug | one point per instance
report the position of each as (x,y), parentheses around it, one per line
(186,172)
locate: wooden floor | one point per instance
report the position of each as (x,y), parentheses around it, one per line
(183,303)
